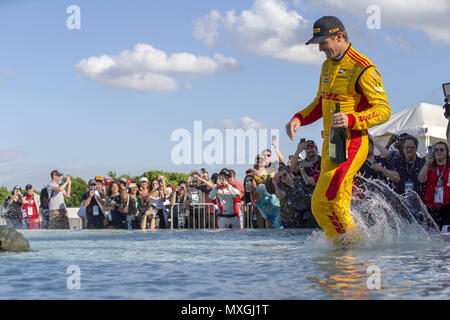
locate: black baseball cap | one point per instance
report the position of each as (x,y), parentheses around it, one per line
(225,172)
(310,142)
(92,182)
(55,173)
(325,27)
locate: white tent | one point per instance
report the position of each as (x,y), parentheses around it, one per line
(424,121)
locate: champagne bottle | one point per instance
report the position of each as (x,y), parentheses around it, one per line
(338,142)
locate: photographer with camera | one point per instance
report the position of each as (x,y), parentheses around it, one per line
(435,175)
(197,191)
(58,215)
(94,201)
(226,197)
(13,208)
(179,204)
(294,191)
(308,169)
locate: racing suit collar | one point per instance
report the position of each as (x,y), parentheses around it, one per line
(343,55)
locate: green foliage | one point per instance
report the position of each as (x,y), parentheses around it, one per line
(77,189)
(113,175)
(4,193)
(172,178)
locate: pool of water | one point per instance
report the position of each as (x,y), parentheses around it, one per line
(221,264)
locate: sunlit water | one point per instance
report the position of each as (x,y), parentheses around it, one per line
(397,239)
(226,264)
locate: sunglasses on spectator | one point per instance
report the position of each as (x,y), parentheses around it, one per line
(439,149)
(284,175)
(410,147)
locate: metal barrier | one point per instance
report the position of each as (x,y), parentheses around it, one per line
(204,216)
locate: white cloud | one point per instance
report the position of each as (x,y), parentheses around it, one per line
(430,17)
(268,28)
(245,123)
(149,69)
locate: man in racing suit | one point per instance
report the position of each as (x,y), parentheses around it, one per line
(351,79)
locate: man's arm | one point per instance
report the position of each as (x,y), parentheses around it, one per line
(383,152)
(60,188)
(377,109)
(279,154)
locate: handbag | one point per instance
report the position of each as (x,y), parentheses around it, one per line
(81,211)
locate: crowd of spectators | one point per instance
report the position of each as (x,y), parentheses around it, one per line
(273,194)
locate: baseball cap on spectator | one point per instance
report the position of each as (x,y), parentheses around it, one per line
(311,143)
(92,182)
(28,187)
(225,172)
(99,178)
(17,187)
(56,173)
(249,171)
(123,180)
(143,179)
(108,181)
(132,184)
(130,181)
(194,172)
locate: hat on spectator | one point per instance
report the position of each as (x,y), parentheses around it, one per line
(99,178)
(250,171)
(92,182)
(225,172)
(194,172)
(143,179)
(311,143)
(123,180)
(17,187)
(132,185)
(28,187)
(130,181)
(108,181)
(56,173)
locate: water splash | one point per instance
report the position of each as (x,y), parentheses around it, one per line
(383,218)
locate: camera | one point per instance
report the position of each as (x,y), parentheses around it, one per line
(302,140)
(446,88)
(306,164)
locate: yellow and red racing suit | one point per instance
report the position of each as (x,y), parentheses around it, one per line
(356,84)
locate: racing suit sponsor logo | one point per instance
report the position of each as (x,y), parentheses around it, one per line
(330,96)
(368,117)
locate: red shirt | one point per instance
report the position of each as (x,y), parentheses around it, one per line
(29,204)
(431,184)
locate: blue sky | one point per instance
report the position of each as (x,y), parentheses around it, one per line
(60,111)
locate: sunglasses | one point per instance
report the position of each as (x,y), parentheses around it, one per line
(284,175)
(439,149)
